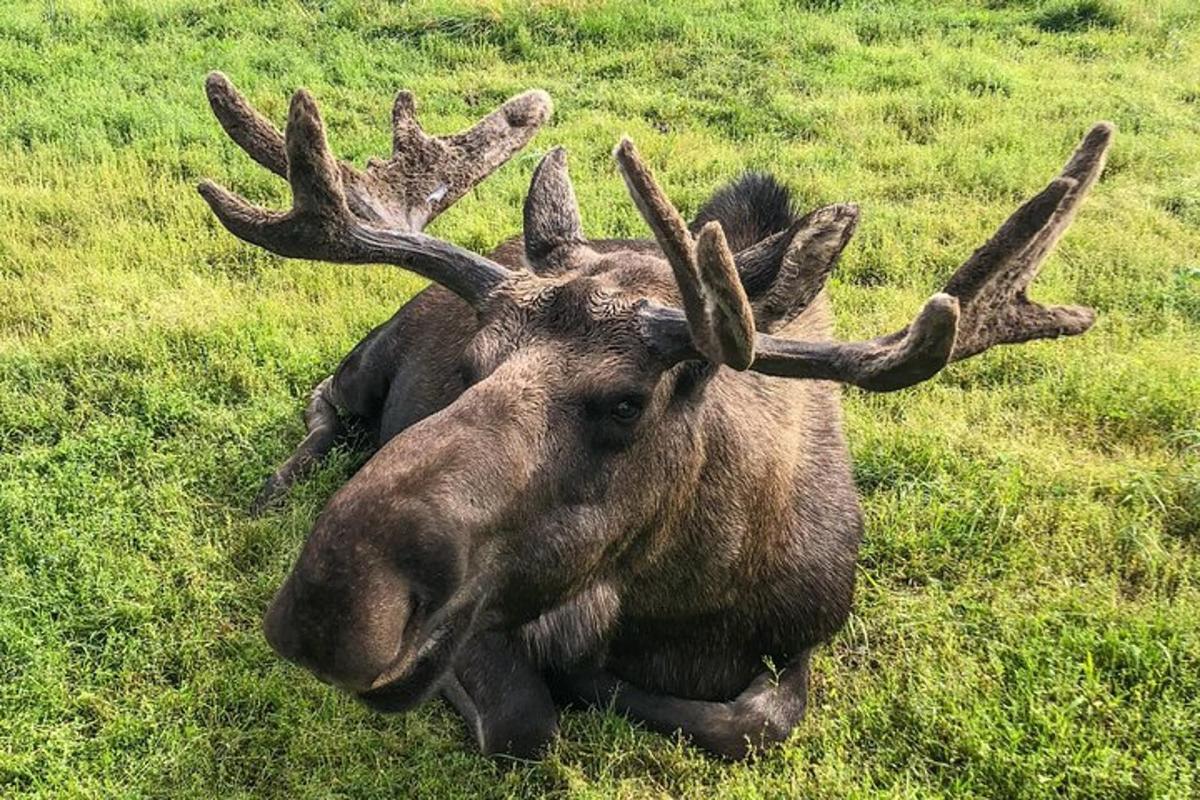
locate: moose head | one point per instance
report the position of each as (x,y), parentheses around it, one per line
(633,431)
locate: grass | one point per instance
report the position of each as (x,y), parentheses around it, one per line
(1028,619)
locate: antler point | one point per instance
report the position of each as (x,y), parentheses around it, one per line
(213,192)
(404,106)
(304,118)
(302,97)
(532,108)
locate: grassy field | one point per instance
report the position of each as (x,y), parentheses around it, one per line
(1028,619)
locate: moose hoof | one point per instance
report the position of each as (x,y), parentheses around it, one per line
(271,492)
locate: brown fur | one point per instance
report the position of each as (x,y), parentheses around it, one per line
(728,526)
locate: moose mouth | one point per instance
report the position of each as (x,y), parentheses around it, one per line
(419,667)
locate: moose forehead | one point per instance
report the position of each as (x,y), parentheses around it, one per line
(593,303)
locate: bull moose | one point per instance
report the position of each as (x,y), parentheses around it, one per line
(606,472)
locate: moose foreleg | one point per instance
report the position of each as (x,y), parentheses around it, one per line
(761,716)
(321,419)
(502,698)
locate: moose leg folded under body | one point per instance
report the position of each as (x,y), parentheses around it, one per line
(323,426)
(761,716)
(502,698)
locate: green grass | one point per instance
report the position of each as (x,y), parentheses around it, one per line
(1028,618)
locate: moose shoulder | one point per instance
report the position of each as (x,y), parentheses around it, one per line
(608,472)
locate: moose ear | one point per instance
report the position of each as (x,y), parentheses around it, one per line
(552,225)
(785,272)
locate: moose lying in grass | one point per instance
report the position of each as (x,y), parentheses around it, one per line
(608,472)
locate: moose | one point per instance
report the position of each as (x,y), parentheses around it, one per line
(605,473)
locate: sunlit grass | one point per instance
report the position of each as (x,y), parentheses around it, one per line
(1028,617)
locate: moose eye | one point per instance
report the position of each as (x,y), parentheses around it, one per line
(613,419)
(627,409)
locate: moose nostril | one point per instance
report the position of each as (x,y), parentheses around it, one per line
(414,611)
(346,644)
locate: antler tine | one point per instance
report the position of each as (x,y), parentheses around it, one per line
(312,170)
(660,214)
(318,200)
(993,282)
(321,225)
(882,364)
(1084,168)
(424,175)
(729,316)
(243,219)
(717,322)
(715,306)
(492,140)
(407,133)
(470,156)
(253,132)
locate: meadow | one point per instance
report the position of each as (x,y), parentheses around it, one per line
(1027,621)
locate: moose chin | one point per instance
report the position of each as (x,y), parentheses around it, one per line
(606,472)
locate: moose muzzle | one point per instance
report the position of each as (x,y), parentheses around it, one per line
(390,580)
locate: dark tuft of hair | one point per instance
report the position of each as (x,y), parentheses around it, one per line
(750,209)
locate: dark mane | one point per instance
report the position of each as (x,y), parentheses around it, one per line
(750,209)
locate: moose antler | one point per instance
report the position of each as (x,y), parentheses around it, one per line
(425,174)
(992,283)
(718,314)
(984,304)
(717,322)
(342,215)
